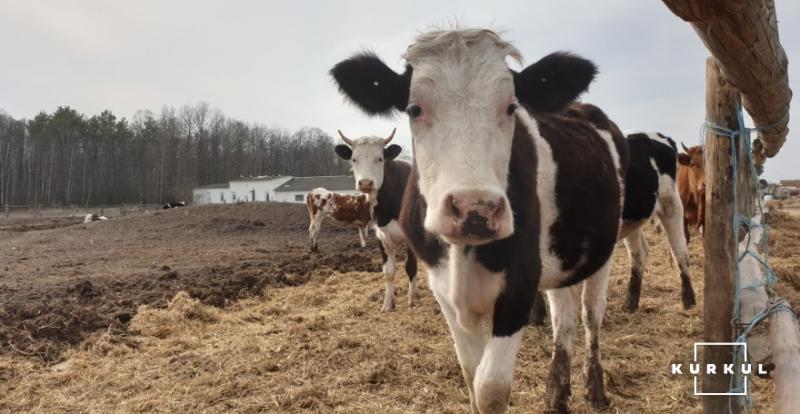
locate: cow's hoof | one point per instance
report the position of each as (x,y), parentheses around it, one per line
(631,306)
(493,398)
(388,306)
(597,399)
(413,301)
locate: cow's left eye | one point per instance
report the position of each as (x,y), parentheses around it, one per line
(511,109)
(355,160)
(380,159)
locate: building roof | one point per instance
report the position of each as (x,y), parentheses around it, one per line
(259,178)
(332,183)
(211,186)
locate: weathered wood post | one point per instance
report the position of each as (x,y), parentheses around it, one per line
(785,337)
(722,100)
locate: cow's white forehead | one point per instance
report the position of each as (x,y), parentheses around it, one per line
(368,142)
(461,45)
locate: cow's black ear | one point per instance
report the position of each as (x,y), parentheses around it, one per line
(391,152)
(371,85)
(343,151)
(554,81)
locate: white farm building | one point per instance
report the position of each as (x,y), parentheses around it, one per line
(261,189)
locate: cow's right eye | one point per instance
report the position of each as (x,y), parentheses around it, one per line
(414,111)
(355,160)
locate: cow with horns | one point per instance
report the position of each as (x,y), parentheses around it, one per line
(382,179)
(508,194)
(344,208)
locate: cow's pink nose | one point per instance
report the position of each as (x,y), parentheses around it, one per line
(475,214)
(365,185)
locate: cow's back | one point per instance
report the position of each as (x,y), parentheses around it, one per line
(642,179)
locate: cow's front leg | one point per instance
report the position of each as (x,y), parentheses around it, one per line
(411,271)
(495,373)
(637,252)
(313,232)
(361,235)
(389,256)
(469,342)
(563,314)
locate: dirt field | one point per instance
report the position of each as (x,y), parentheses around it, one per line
(90,322)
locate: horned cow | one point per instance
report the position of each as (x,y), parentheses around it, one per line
(382,179)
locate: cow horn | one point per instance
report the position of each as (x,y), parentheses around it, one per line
(388,140)
(346,140)
(684,147)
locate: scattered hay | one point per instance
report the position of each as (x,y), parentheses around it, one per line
(181,311)
(325,347)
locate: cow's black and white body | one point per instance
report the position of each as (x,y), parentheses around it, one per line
(383,179)
(651,190)
(503,199)
(174,205)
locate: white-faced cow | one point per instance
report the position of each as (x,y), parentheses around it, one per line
(507,194)
(382,178)
(344,208)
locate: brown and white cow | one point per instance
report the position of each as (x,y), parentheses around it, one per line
(344,208)
(382,178)
(507,195)
(692,187)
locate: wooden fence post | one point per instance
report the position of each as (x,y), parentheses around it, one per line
(722,100)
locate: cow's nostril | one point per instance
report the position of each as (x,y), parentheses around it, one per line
(451,203)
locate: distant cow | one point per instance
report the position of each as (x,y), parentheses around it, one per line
(343,208)
(692,188)
(174,205)
(93,217)
(382,178)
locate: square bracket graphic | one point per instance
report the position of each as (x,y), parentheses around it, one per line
(742,344)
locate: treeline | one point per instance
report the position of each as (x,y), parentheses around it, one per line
(66,158)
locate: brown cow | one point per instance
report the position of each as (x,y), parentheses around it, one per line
(692,187)
(344,208)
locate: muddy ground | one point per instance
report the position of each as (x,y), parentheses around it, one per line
(61,280)
(264,326)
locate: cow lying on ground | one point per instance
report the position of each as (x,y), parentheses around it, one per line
(174,205)
(382,178)
(506,195)
(93,217)
(692,187)
(344,208)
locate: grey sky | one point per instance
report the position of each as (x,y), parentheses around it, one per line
(267,62)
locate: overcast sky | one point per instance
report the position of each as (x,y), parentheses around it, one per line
(267,62)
